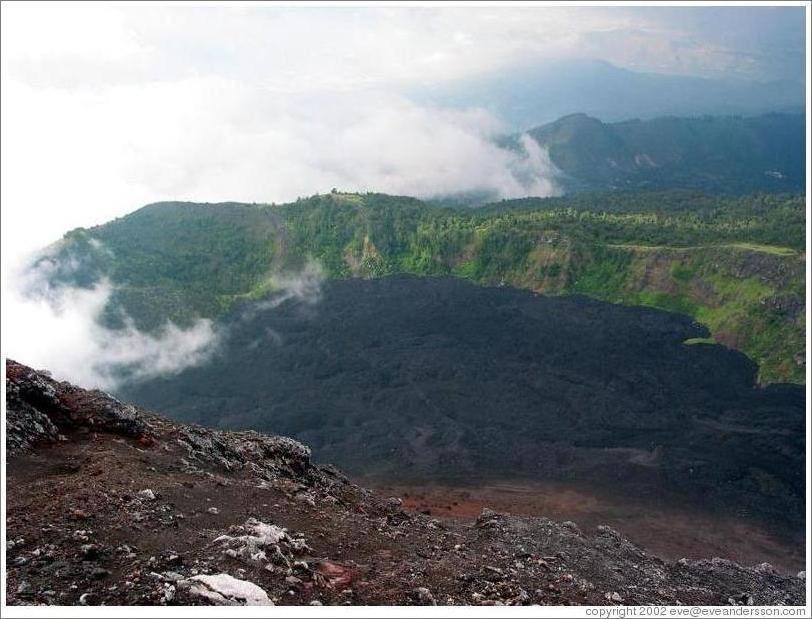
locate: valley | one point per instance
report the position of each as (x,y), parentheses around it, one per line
(735,264)
(624,357)
(420,382)
(529,354)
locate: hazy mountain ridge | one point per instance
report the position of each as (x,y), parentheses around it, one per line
(735,264)
(528,96)
(714,154)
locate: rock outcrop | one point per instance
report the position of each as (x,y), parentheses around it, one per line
(109,504)
(40,408)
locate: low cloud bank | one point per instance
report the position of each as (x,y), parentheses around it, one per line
(212,140)
(253,145)
(57,327)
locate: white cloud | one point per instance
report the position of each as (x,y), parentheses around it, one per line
(304,285)
(287,49)
(81,158)
(296,49)
(57,329)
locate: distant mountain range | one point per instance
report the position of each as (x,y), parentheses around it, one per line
(728,154)
(528,96)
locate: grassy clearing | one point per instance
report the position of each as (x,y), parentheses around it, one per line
(775,250)
(693,341)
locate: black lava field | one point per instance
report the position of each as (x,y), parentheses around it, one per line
(439,380)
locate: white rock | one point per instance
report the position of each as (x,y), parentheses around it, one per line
(225,590)
(259,537)
(213,510)
(147,494)
(802,575)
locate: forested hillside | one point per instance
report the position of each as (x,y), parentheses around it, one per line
(736,264)
(730,154)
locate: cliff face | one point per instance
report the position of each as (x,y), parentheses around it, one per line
(109,504)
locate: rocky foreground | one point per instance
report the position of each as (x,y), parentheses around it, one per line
(109,504)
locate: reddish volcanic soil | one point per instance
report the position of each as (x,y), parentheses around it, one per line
(668,531)
(109,504)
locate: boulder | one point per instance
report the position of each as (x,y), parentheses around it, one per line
(225,590)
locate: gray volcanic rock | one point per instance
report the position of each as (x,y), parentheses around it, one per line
(39,407)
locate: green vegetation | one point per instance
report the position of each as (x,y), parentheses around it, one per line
(692,341)
(736,264)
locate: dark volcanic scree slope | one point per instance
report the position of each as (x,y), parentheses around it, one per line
(440,379)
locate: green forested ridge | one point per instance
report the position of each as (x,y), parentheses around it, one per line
(736,264)
(731,154)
